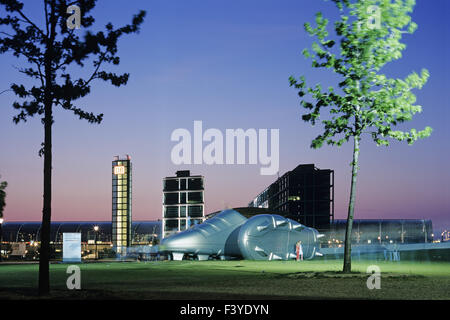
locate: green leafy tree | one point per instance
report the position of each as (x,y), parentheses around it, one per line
(366,102)
(53,49)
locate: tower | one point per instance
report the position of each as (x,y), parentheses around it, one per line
(121,203)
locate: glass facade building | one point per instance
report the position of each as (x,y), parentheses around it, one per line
(121,202)
(382,231)
(96,238)
(305,194)
(183,202)
(142,232)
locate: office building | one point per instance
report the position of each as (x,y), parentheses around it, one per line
(183,202)
(121,203)
(305,194)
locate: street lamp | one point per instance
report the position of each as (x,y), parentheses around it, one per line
(1,238)
(96,232)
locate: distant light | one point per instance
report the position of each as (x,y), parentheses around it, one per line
(96,228)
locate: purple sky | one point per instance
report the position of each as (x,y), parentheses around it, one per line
(227,64)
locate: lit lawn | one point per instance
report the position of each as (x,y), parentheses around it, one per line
(233,280)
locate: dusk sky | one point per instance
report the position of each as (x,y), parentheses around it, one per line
(226,63)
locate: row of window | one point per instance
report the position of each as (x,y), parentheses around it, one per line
(183,184)
(121,188)
(120,163)
(120,242)
(120,200)
(122,197)
(120,236)
(122,176)
(120,231)
(183,211)
(122,213)
(120,182)
(120,206)
(120,219)
(183,197)
(180,224)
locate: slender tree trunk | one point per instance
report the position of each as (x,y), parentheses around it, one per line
(351,207)
(44,257)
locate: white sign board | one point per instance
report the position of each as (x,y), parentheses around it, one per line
(72,247)
(19,249)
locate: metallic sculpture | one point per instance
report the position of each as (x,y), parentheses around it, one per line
(230,235)
(214,237)
(273,237)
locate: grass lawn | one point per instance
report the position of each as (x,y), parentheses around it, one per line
(232,280)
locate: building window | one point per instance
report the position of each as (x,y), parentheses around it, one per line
(171,225)
(183,197)
(195,184)
(195,211)
(195,197)
(182,211)
(171,212)
(171,198)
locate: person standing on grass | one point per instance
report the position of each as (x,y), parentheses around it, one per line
(299,250)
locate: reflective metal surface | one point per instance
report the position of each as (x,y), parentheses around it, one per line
(216,236)
(230,235)
(273,237)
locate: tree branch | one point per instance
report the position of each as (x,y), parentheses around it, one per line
(31,23)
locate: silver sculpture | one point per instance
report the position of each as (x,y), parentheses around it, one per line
(230,235)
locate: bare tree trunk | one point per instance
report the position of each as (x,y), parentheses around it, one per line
(351,207)
(44,256)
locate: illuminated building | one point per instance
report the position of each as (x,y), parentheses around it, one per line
(121,203)
(305,194)
(183,202)
(382,231)
(145,234)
